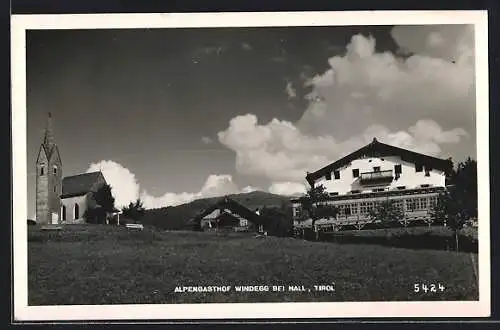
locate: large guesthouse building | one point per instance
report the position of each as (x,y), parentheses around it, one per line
(374,173)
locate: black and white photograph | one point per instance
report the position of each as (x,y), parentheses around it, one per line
(287,165)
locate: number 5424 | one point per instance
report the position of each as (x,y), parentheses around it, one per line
(425,287)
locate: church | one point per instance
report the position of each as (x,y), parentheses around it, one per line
(61,200)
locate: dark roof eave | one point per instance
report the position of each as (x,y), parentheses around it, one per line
(415,191)
(74,195)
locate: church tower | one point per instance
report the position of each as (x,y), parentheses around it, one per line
(48,179)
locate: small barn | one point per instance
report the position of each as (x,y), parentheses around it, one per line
(228,215)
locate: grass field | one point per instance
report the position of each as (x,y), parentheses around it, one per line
(437,230)
(111,265)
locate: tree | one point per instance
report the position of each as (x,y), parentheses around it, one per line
(134,210)
(277,221)
(104,198)
(458,204)
(104,205)
(450,210)
(317,211)
(326,211)
(387,213)
(464,179)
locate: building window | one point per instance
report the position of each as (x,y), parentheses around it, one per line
(333,193)
(432,201)
(336,174)
(42,170)
(328,176)
(355,191)
(425,185)
(354,208)
(376,169)
(54,188)
(398,203)
(427,171)
(398,169)
(378,190)
(401,187)
(419,167)
(76,211)
(411,205)
(63,211)
(355,173)
(297,212)
(55,169)
(423,203)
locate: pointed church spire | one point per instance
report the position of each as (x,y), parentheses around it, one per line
(49,140)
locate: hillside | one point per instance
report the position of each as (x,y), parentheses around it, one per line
(176,217)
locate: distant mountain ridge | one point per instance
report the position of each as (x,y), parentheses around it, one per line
(177,217)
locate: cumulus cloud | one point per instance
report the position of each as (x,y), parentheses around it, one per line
(420,102)
(290,91)
(287,188)
(246,46)
(279,151)
(215,185)
(249,189)
(364,87)
(206,140)
(449,42)
(125,187)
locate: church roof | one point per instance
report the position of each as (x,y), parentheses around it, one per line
(379,149)
(77,185)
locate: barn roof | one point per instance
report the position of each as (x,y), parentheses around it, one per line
(234,207)
(379,149)
(78,185)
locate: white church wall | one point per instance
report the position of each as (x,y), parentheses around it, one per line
(70,203)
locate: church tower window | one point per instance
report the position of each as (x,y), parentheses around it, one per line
(42,170)
(77,211)
(55,169)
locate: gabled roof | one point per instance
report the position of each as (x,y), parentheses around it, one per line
(379,149)
(81,184)
(43,156)
(226,218)
(233,206)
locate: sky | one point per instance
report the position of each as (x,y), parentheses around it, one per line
(172,115)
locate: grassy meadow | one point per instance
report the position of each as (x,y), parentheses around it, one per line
(97,264)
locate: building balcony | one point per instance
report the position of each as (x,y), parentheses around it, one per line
(376,177)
